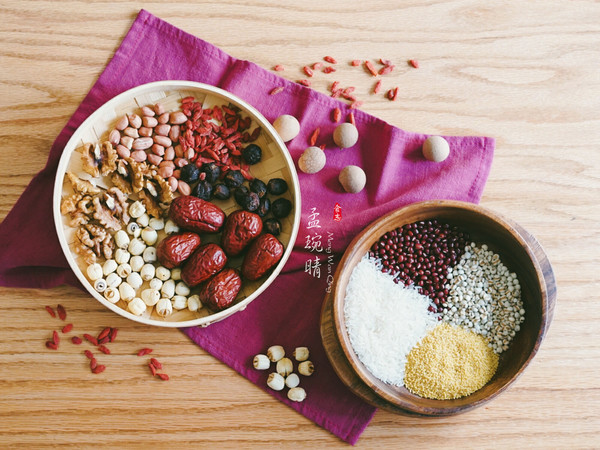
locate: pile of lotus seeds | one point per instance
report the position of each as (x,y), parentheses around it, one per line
(352,178)
(284,374)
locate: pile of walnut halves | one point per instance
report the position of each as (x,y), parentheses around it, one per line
(95,211)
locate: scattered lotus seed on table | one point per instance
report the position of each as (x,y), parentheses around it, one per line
(436,148)
(345,135)
(287,127)
(353,179)
(312,160)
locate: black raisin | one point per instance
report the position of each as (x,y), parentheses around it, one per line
(252,202)
(234,178)
(264,207)
(221,191)
(190,173)
(277,186)
(252,154)
(212,171)
(281,207)
(259,187)
(203,190)
(272,226)
(240,193)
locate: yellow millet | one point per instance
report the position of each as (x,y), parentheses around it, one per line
(450,362)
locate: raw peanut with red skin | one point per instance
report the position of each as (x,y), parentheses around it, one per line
(194,214)
(206,261)
(241,227)
(221,290)
(264,252)
(175,249)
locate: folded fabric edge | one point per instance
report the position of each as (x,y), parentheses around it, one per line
(352,436)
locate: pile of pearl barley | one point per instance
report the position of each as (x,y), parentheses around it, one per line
(484,297)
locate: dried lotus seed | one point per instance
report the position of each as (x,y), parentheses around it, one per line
(126,291)
(121,239)
(110,265)
(150,296)
(168,289)
(301,353)
(149,254)
(137,306)
(94,271)
(284,367)
(122,256)
(296,394)
(164,307)
(171,227)
(162,273)
(261,362)
(112,295)
(181,288)
(149,235)
(194,303)
(136,247)
(100,285)
(124,270)
(157,224)
(306,368)
(176,273)
(137,209)
(143,220)
(155,283)
(275,353)
(147,272)
(135,280)
(292,380)
(113,280)
(179,302)
(136,263)
(275,381)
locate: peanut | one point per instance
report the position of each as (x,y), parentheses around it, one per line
(183,188)
(148,112)
(162,140)
(174,133)
(145,131)
(169,154)
(181,162)
(114,137)
(173,183)
(134,120)
(149,122)
(163,129)
(142,143)
(154,159)
(127,141)
(159,108)
(163,118)
(164,171)
(132,132)
(122,123)
(158,150)
(123,151)
(177,118)
(139,155)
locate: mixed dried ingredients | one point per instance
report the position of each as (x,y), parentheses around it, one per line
(148,214)
(428,309)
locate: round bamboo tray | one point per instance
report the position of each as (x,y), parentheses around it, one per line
(276,163)
(519,251)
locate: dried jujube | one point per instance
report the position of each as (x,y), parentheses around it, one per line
(176,248)
(206,261)
(264,253)
(241,227)
(194,214)
(221,290)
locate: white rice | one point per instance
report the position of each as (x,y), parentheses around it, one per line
(384,320)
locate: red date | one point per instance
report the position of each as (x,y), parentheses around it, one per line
(206,261)
(264,252)
(241,227)
(175,249)
(194,214)
(221,290)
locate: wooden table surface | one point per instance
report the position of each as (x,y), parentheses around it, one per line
(526,73)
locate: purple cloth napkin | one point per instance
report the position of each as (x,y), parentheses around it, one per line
(287,313)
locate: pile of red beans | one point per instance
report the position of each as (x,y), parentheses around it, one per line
(420,254)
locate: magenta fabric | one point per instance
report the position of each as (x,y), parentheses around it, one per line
(287,313)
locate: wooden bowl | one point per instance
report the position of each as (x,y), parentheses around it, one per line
(517,254)
(276,163)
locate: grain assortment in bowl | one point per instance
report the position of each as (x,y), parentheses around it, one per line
(144,191)
(437,308)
